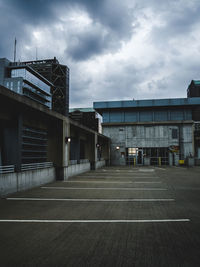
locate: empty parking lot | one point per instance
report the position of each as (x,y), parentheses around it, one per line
(109,217)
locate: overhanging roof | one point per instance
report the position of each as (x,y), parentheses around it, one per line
(170,102)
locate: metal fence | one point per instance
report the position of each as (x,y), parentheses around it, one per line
(35,166)
(73,162)
(84,161)
(7,169)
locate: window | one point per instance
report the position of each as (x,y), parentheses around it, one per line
(174,133)
(11,85)
(18,86)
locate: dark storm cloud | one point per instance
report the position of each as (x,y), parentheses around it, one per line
(113,17)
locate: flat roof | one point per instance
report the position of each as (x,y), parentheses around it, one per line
(82,109)
(146,103)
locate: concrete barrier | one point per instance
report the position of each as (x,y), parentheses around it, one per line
(14,182)
(100,164)
(76,169)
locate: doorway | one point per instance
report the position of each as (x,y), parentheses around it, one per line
(134,154)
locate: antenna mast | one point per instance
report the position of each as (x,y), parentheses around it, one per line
(15,48)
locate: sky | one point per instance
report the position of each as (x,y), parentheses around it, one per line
(116,50)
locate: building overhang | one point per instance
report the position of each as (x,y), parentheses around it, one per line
(101,107)
(152,123)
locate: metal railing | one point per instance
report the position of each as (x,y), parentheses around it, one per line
(100,159)
(35,166)
(7,169)
(84,161)
(73,162)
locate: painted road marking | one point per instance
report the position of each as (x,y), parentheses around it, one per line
(101,188)
(93,199)
(95,221)
(114,177)
(98,182)
(147,182)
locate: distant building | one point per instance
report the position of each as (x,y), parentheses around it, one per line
(24,80)
(149,132)
(194,89)
(87,117)
(58,75)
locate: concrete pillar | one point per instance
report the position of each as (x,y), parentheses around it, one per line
(93,151)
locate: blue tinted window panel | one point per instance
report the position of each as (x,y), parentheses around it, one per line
(106,117)
(116,117)
(177,115)
(130,116)
(188,115)
(160,116)
(146,116)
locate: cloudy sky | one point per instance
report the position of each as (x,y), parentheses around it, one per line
(116,50)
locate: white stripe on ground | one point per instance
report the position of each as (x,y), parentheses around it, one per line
(147,182)
(101,188)
(94,199)
(95,221)
(114,177)
(98,182)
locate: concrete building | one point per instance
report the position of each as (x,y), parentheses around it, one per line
(39,145)
(144,132)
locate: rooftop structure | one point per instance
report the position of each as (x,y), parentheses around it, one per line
(24,80)
(57,74)
(194,89)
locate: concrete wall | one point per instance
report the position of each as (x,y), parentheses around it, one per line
(76,169)
(148,136)
(14,182)
(100,164)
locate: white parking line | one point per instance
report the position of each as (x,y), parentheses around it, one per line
(95,221)
(98,182)
(94,199)
(147,182)
(114,177)
(100,188)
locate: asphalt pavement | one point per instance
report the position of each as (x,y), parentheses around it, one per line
(114,216)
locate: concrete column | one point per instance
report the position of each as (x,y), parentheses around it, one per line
(93,151)
(19,143)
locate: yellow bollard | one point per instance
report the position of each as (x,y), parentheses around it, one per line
(134,162)
(159,161)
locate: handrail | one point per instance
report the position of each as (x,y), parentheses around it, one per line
(34,166)
(7,169)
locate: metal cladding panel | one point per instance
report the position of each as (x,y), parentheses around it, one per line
(115,104)
(97,105)
(148,103)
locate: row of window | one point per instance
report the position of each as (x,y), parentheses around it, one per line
(148,116)
(26,75)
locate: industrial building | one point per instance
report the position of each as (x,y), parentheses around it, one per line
(153,132)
